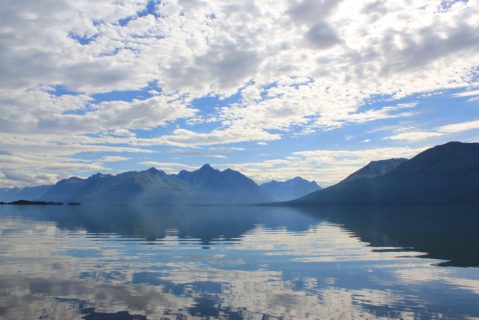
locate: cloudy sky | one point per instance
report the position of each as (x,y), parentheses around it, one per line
(274,88)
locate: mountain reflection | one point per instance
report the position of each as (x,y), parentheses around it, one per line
(440,232)
(449,233)
(261,263)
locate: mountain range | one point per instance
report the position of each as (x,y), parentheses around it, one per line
(149,186)
(30,193)
(445,174)
(205,186)
(289,189)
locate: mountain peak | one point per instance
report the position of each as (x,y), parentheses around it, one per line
(71,180)
(206,167)
(98,175)
(153,170)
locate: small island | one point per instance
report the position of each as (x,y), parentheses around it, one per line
(35,203)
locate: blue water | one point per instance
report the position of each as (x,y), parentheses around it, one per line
(64,262)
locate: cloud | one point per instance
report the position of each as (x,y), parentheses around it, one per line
(221,67)
(17,176)
(322,36)
(188,138)
(445,130)
(51,114)
(428,45)
(310,11)
(113,159)
(226,149)
(327,167)
(415,135)
(196,153)
(469,93)
(459,127)
(279,68)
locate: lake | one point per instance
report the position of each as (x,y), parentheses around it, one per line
(65,262)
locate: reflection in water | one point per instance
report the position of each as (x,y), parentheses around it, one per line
(238,262)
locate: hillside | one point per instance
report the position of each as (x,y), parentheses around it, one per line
(445,174)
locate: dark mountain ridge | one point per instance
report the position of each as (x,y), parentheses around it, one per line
(445,174)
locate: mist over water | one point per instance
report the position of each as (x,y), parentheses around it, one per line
(113,262)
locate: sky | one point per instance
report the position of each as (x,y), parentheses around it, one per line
(273,88)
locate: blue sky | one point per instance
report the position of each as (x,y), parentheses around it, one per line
(274,89)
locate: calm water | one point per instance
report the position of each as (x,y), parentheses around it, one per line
(239,263)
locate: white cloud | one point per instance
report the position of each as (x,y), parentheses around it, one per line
(413,135)
(326,167)
(113,159)
(188,138)
(41,112)
(459,127)
(226,149)
(194,152)
(299,67)
(469,93)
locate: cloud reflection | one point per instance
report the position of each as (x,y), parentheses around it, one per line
(271,263)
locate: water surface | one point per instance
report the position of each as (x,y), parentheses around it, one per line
(239,262)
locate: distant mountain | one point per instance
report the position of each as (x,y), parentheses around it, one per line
(203,186)
(30,193)
(211,186)
(149,186)
(445,174)
(375,169)
(289,189)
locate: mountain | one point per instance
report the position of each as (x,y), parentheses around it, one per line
(30,193)
(445,174)
(375,169)
(203,186)
(149,186)
(289,189)
(211,186)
